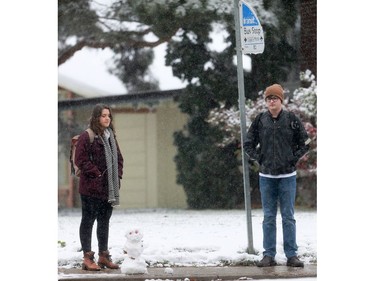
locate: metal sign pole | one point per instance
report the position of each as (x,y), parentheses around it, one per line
(245,164)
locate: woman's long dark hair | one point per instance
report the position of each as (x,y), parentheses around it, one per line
(95,119)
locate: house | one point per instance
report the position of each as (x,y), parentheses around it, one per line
(145,124)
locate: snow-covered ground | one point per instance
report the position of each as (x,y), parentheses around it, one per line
(186,237)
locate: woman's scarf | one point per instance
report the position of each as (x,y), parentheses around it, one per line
(110,150)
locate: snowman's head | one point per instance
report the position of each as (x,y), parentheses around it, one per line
(134,235)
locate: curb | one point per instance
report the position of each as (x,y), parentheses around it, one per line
(193,273)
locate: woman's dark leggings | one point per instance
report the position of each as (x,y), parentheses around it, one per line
(101,211)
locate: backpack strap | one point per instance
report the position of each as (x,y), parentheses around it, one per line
(91,134)
(294,124)
(257,121)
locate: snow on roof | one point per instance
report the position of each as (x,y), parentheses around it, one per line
(80,88)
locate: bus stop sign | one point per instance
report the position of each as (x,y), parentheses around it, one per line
(252,39)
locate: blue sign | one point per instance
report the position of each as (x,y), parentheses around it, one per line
(249,19)
(251,32)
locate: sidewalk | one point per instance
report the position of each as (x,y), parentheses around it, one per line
(193,273)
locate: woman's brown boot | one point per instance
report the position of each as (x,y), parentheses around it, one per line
(106,261)
(89,263)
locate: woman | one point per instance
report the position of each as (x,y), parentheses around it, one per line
(101,166)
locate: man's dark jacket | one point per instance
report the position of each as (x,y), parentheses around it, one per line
(276,143)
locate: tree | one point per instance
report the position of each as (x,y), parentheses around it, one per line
(132,28)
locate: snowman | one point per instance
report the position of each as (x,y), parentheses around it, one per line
(133,262)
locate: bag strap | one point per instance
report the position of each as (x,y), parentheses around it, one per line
(91,134)
(257,121)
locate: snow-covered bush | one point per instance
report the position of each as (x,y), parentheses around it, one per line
(304,104)
(304,98)
(228,119)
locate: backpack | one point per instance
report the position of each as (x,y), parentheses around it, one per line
(73,143)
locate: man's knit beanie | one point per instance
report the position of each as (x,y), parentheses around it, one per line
(274,90)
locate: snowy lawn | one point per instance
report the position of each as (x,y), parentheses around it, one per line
(186,237)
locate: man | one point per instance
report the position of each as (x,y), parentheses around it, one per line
(277,140)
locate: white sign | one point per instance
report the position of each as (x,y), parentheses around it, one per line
(252,39)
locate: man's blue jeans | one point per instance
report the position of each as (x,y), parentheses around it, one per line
(282,190)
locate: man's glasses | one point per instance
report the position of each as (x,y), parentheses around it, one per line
(272,98)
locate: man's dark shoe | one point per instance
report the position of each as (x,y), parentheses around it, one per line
(266,261)
(294,262)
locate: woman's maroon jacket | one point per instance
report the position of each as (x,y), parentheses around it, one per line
(90,158)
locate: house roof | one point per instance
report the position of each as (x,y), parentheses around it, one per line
(145,97)
(79,88)
(91,95)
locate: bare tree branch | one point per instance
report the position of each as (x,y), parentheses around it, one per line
(71,51)
(67,54)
